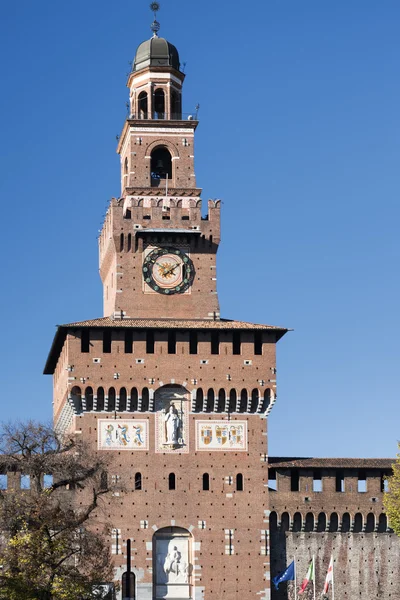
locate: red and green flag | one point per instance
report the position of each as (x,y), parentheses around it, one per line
(309,577)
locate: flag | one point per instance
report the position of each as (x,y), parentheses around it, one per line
(308,577)
(329,576)
(287,575)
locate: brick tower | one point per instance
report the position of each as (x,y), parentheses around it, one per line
(175,394)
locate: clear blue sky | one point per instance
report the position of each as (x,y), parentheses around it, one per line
(299,135)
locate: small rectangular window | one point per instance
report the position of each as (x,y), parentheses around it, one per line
(171,342)
(294,480)
(272,481)
(150,342)
(107,341)
(193,342)
(3,481)
(258,343)
(339,481)
(85,341)
(362,482)
(215,342)
(25,482)
(317,482)
(237,342)
(128,341)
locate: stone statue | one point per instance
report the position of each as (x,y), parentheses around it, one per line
(171,563)
(172,423)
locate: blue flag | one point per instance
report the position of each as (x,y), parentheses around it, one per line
(287,575)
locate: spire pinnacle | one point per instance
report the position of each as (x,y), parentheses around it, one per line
(155,26)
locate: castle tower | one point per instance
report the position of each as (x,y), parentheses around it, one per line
(175,394)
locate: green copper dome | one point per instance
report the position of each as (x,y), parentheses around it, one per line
(156,52)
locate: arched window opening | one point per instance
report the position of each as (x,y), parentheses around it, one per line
(210,400)
(134,399)
(333,523)
(345,528)
(221,401)
(239,482)
(100,399)
(285,521)
(142,106)
(129,242)
(370,523)
(76,396)
(273,522)
(243,401)
(309,522)
(266,401)
(176,111)
(254,401)
(199,400)
(321,523)
(232,401)
(128,586)
(126,166)
(161,165)
(159,104)
(206,482)
(138,481)
(111,399)
(145,400)
(121,242)
(89,398)
(382,523)
(297,522)
(358,523)
(122,400)
(172,481)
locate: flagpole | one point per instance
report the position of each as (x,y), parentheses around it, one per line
(295,579)
(313,559)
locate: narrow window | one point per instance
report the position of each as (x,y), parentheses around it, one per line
(121,242)
(128,341)
(236,342)
(171,481)
(317,481)
(129,242)
(294,480)
(150,342)
(171,342)
(107,341)
(85,340)
(339,481)
(272,481)
(239,482)
(3,481)
(193,342)
(138,481)
(25,482)
(215,342)
(206,482)
(362,482)
(258,343)
(384,483)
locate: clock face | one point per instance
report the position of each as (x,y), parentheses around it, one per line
(168,271)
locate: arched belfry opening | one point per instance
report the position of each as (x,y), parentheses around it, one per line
(172,564)
(176,106)
(161,165)
(159,104)
(143,110)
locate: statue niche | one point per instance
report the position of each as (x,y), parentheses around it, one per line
(173,563)
(172,405)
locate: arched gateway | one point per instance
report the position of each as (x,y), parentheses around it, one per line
(172,564)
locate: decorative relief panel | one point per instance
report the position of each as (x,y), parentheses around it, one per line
(129,434)
(172,419)
(221,435)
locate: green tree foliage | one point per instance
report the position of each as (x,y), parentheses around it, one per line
(392,498)
(49,548)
